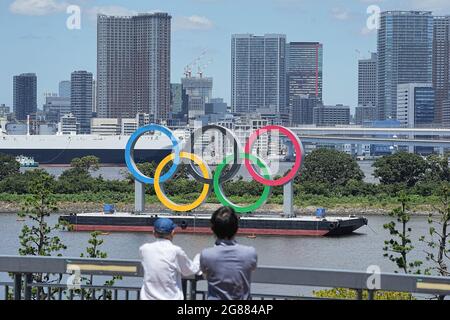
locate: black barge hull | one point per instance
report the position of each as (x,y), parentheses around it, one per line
(201,225)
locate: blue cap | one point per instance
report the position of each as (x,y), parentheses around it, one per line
(164,225)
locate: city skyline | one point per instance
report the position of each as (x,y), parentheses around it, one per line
(198,26)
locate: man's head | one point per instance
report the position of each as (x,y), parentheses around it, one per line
(225,223)
(164,228)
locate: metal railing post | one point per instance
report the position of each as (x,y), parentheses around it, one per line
(27,284)
(193,289)
(359,294)
(184,288)
(17,286)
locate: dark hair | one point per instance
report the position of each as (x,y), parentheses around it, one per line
(160,235)
(225,223)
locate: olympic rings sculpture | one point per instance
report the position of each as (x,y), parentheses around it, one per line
(213,181)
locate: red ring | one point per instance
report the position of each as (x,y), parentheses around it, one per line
(298,161)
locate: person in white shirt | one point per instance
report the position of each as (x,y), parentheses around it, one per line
(164,263)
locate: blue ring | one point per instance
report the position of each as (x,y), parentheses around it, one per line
(129,154)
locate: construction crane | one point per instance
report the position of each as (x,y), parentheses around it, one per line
(201,69)
(188,69)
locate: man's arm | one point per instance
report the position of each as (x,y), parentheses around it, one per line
(203,266)
(254,260)
(186,265)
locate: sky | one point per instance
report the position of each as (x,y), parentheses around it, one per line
(34,36)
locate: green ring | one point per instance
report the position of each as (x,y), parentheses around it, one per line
(220,194)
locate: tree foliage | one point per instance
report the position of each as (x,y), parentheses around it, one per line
(349,294)
(401,168)
(93,251)
(330,167)
(88,163)
(438,239)
(37,238)
(400,245)
(8,166)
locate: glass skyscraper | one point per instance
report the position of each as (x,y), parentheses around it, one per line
(415,104)
(64,89)
(367,81)
(258,73)
(304,69)
(25,95)
(441,64)
(81,99)
(405,50)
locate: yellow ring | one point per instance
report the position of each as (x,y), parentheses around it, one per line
(169,203)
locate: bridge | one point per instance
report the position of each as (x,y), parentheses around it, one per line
(363,131)
(438,138)
(268,283)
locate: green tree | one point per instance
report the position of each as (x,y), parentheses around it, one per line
(88,163)
(93,251)
(76,180)
(331,167)
(401,167)
(438,239)
(37,239)
(400,245)
(438,168)
(8,166)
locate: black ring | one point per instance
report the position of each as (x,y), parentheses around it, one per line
(235,167)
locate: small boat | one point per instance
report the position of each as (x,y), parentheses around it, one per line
(27,162)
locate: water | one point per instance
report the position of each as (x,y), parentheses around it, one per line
(354,252)
(118,173)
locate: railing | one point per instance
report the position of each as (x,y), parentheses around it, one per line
(26,284)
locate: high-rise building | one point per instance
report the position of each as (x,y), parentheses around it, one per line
(302,108)
(199,92)
(258,73)
(446,114)
(25,95)
(94,97)
(304,70)
(441,64)
(216,106)
(179,102)
(64,89)
(415,104)
(56,107)
(367,81)
(365,113)
(405,47)
(176,99)
(69,125)
(4,110)
(81,99)
(331,115)
(133,66)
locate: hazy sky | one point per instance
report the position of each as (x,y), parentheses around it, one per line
(34,36)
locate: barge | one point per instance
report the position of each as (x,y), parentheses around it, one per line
(200,224)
